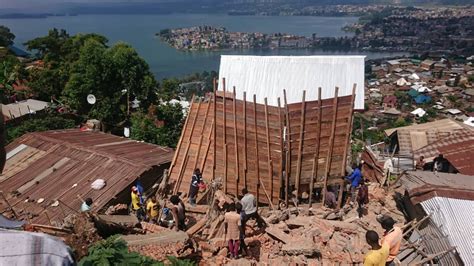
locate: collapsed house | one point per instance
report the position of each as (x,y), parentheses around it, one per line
(47,173)
(273,146)
(444,202)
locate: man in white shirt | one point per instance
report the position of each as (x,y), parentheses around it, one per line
(249,209)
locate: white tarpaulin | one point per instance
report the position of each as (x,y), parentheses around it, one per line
(268,76)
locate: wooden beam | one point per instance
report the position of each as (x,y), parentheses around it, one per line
(257,163)
(196,159)
(280,169)
(269,156)
(9,205)
(236,169)
(331,145)
(245,139)
(214,133)
(183,130)
(288,150)
(225,134)
(318,141)
(204,159)
(300,147)
(349,132)
(311,185)
(183,165)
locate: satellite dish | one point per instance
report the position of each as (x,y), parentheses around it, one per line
(91,99)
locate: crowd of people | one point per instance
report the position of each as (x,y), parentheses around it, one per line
(236,215)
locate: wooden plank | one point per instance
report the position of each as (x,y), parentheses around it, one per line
(349,132)
(178,148)
(331,143)
(224,136)
(183,165)
(214,136)
(245,139)
(280,169)
(256,146)
(269,158)
(288,153)
(318,145)
(300,147)
(209,140)
(311,184)
(236,170)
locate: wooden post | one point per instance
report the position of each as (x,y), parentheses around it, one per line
(300,147)
(288,151)
(269,156)
(280,169)
(225,134)
(236,168)
(47,216)
(349,132)
(245,140)
(318,144)
(175,157)
(331,142)
(311,184)
(214,133)
(257,163)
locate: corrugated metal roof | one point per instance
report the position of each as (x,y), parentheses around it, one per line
(443,125)
(423,185)
(432,150)
(460,155)
(456,220)
(54,161)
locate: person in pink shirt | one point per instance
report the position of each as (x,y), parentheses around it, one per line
(392,238)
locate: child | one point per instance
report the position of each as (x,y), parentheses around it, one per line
(232,224)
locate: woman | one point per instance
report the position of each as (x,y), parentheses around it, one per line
(232,230)
(179,213)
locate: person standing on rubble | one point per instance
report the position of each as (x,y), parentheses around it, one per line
(250,209)
(378,254)
(136,205)
(152,210)
(232,230)
(392,238)
(243,246)
(362,197)
(354,179)
(196,180)
(179,213)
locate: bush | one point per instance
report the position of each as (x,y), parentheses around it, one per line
(35,124)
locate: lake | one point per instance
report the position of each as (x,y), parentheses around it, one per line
(165,61)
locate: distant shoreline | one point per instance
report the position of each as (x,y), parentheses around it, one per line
(33,16)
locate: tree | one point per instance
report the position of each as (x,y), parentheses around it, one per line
(6,37)
(50,122)
(169,89)
(112,75)
(9,72)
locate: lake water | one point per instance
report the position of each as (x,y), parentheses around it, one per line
(165,61)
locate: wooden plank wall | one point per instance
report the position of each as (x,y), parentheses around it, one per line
(317,127)
(249,150)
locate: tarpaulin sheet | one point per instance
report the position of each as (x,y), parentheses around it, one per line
(10,224)
(268,76)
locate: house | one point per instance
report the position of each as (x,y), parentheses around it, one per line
(392,65)
(44,170)
(422,99)
(391,112)
(413,93)
(18,109)
(419,112)
(411,138)
(442,200)
(402,82)
(453,112)
(427,64)
(390,101)
(414,76)
(379,71)
(470,94)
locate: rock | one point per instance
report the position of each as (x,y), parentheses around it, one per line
(223,252)
(301,247)
(206,254)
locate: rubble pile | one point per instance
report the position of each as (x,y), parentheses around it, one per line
(302,235)
(119,209)
(84,234)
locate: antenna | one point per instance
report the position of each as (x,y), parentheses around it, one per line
(91,99)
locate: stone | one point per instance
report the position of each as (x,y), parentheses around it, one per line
(223,252)
(301,247)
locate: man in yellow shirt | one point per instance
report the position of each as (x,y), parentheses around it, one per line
(152,210)
(135,201)
(378,255)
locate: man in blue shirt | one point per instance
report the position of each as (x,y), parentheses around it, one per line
(355,179)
